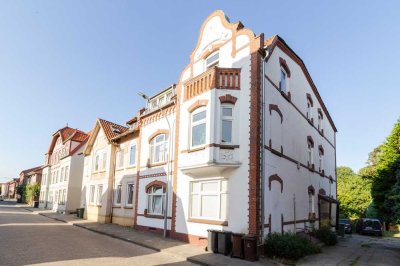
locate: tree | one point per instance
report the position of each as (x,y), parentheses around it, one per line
(384,183)
(353,193)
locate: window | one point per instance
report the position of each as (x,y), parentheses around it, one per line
(212,60)
(158,147)
(311,202)
(208,199)
(104,160)
(198,127)
(309,108)
(97,162)
(57,176)
(62,174)
(91,195)
(99,194)
(321,158)
(66,173)
(56,197)
(310,147)
(282,83)
(155,200)
(226,123)
(132,154)
(118,194)
(120,157)
(129,194)
(319,121)
(64,196)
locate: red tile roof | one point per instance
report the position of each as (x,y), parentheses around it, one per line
(111,130)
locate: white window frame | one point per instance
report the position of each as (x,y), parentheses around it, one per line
(201,193)
(66,177)
(150,197)
(118,195)
(213,63)
(62,174)
(96,162)
(153,148)
(309,109)
(285,89)
(319,121)
(103,160)
(310,153)
(197,123)
(130,154)
(99,194)
(127,194)
(321,161)
(92,193)
(120,158)
(227,118)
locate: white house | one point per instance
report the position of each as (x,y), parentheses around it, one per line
(243,142)
(62,173)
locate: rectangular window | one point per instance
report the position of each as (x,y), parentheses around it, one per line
(64,196)
(104,160)
(199,127)
(129,194)
(118,194)
(158,148)
(282,83)
(120,158)
(99,194)
(212,60)
(155,200)
(66,173)
(227,119)
(91,195)
(321,162)
(132,154)
(209,199)
(62,174)
(97,162)
(310,154)
(56,197)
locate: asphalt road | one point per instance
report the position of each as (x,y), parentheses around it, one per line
(27,238)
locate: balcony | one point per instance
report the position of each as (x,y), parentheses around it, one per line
(219,78)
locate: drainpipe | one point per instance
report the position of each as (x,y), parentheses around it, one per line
(113,180)
(262,152)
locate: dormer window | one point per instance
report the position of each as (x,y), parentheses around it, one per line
(282,83)
(212,60)
(115,130)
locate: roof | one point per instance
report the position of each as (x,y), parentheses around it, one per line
(68,133)
(111,130)
(24,172)
(276,40)
(126,133)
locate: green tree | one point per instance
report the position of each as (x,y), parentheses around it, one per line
(385,182)
(353,193)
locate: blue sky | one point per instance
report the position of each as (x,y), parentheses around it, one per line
(73,61)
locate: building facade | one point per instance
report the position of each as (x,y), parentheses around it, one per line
(243,142)
(63,170)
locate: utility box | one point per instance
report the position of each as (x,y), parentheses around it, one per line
(250,247)
(224,242)
(237,246)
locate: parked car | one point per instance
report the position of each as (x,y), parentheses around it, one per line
(347,225)
(369,226)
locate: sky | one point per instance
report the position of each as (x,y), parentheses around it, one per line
(74,61)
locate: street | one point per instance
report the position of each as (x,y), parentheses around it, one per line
(27,238)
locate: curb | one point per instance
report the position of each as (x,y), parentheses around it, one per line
(121,238)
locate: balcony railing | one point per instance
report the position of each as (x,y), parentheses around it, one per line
(219,78)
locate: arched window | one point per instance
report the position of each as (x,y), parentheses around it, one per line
(321,158)
(320,117)
(310,152)
(155,199)
(198,127)
(158,148)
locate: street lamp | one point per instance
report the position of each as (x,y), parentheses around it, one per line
(144,96)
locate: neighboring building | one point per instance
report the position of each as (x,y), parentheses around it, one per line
(249,143)
(12,188)
(4,189)
(63,170)
(31,176)
(99,171)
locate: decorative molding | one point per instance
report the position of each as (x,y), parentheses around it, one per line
(322,191)
(158,132)
(275,177)
(228,99)
(197,104)
(310,140)
(284,65)
(156,183)
(275,107)
(311,190)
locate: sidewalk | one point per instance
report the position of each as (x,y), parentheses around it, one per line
(191,253)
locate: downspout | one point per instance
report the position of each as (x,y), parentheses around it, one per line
(113,180)
(262,155)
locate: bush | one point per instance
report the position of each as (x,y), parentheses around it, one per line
(289,246)
(326,235)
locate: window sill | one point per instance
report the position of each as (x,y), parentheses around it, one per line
(128,207)
(131,166)
(116,206)
(228,146)
(203,221)
(156,164)
(94,205)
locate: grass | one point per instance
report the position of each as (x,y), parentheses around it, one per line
(392,234)
(354,262)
